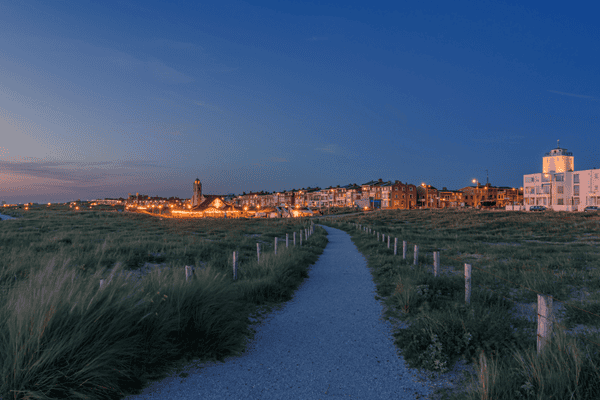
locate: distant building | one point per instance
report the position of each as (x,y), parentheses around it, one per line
(208,206)
(403,196)
(559,187)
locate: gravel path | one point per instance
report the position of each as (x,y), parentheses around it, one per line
(328,342)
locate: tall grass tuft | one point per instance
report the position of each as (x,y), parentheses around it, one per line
(63,336)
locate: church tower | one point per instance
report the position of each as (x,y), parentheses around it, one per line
(197,198)
(558,160)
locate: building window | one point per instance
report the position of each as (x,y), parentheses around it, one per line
(575,178)
(576,201)
(576,190)
(412,188)
(560,202)
(559,177)
(560,189)
(411,196)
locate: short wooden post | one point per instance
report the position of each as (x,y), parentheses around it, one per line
(416,261)
(188,272)
(294,238)
(287,239)
(257,253)
(275,246)
(544,321)
(404,249)
(388,241)
(300,238)
(378,236)
(383,237)
(395,245)
(467,283)
(436,263)
(235,265)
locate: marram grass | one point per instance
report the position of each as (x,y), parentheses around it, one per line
(64,337)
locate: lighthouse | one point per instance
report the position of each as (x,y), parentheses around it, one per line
(197,198)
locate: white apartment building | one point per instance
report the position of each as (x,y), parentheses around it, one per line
(559,187)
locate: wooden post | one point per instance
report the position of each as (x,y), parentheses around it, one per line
(102,282)
(436,263)
(395,245)
(378,236)
(257,253)
(389,242)
(300,238)
(294,238)
(404,248)
(467,283)
(275,246)
(544,321)
(235,265)
(416,261)
(188,273)
(287,239)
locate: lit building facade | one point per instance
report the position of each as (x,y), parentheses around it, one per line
(559,187)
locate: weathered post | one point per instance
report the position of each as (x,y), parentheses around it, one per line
(188,272)
(275,246)
(389,242)
(436,263)
(301,238)
(287,239)
(235,265)
(404,248)
(467,283)
(544,321)
(257,253)
(395,245)
(294,238)
(416,261)
(378,236)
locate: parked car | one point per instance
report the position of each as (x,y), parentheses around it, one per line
(537,208)
(591,208)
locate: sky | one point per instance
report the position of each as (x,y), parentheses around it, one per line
(102,99)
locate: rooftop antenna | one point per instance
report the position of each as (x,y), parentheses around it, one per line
(487,180)
(558,144)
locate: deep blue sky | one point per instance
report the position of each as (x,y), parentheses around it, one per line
(101,99)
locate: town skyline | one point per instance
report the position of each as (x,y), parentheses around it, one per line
(98,100)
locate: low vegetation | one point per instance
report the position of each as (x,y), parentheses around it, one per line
(63,336)
(515,256)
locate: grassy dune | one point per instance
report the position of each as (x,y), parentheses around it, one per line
(62,336)
(515,256)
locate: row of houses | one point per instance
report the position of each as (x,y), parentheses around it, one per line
(381,194)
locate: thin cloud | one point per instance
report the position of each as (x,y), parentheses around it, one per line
(581,96)
(330,148)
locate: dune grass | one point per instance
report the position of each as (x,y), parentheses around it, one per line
(515,256)
(63,336)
